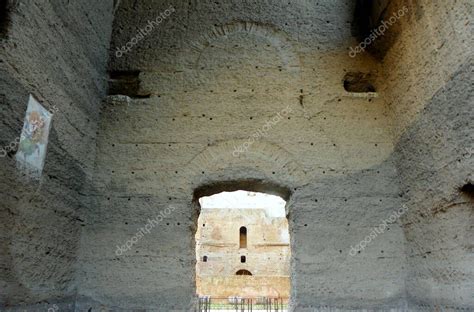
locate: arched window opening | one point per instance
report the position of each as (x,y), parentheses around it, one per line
(243,272)
(243,237)
(222,234)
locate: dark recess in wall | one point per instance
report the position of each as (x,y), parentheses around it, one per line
(358,82)
(4,21)
(368,16)
(362,23)
(125,83)
(468,189)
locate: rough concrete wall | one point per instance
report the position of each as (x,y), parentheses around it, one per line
(434,41)
(427,83)
(436,160)
(57,51)
(216,73)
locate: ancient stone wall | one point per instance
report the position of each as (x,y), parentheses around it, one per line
(253,287)
(232,91)
(241,93)
(427,83)
(57,51)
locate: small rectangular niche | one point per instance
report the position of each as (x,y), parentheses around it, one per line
(126,83)
(358,82)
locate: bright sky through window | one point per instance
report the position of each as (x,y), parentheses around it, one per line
(274,205)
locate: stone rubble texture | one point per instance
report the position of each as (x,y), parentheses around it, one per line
(57,51)
(211,76)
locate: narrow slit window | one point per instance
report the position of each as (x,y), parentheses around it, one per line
(243,259)
(243,237)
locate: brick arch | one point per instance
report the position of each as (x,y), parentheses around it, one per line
(216,168)
(264,162)
(276,38)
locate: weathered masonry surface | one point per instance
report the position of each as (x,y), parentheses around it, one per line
(231,94)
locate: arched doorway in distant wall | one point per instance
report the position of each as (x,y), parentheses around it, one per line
(243,272)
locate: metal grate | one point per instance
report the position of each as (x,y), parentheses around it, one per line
(239,304)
